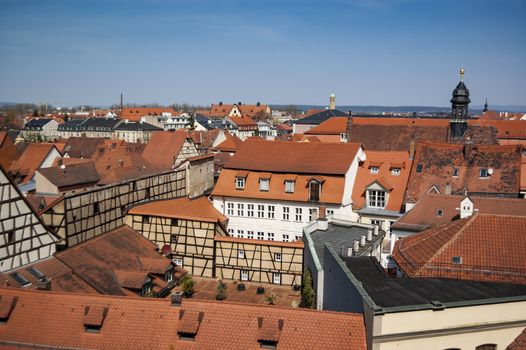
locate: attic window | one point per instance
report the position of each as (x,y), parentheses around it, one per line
(395,171)
(268,344)
(419,168)
(289,186)
(440,212)
(186,336)
(264,185)
(314,191)
(35,272)
(456,171)
(94,318)
(373,170)
(20,279)
(145,219)
(457,260)
(240,183)
(483,173)
(174,222)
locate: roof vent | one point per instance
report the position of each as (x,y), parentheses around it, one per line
(94,316)
(268,333)
(189,322)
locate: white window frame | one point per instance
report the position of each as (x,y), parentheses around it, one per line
(276,278)
(285,237)
(261,211)
(271,211)
(313,214)
(278,257)
(286,213)
(240,233)
(250,210)
(244,275)
(261,235)
(240,254)
(395,171)
(289,186)
(264,185)
(240,183)
(375,200)
(299,215)
(230,209)
(250,234)
(374,170)
(240,209)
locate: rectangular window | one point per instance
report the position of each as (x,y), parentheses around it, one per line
(376,222)
(240,183)
(395,171)
(244,275)
(240,254)
(178,261)
(299,214)
(456,171)
(298,238)
(231,232)
(376,199)
(240,209)
(261,211)
(261,235)
(270,236)
(285,238)
(250,234)
(330,212)
(230,209)
(173,238)
(173,222)
(264,184)
(240,233)
(289,186)
(250,210)
(313,214)
(277,256)
(276,278)
(286,213)
(271,211)
(314,191)
(483,172)
(419,168)
(145,219)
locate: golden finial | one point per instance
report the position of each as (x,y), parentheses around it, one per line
(461,73)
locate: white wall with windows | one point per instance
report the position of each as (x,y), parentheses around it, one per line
(269,219)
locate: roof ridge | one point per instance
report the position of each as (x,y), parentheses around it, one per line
(91,240)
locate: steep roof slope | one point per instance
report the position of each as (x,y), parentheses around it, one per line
(164,147)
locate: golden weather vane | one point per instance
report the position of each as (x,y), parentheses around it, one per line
(461,73)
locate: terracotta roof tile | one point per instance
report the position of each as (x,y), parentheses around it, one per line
(487,248)
(231,144)
(294,157)
(57,320)
(181,208)
(332,126)
(135,114)
(518,343)
(506,129)
(164,147)
(8,150)
(31,160)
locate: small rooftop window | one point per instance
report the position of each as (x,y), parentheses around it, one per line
(484,172)
(395,171)
(419,168)
(20,279)
(240,183)
(440,212)
(456,260)
(373,170)
(456,171)
(268,344)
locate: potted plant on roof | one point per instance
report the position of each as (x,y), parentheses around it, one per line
(187,284)
(220,290)
(271,298)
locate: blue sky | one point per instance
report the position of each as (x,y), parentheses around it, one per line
(369,52)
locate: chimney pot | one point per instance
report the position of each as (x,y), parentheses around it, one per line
(362,240)
(369,235)
(356,247)
(376,230)
(349,251)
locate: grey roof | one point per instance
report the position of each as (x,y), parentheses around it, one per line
(37,123)
(100,124)
(320,117)
(75,174)
(340,235)
(392,292)
(71,125)
(379,212)
(130,126)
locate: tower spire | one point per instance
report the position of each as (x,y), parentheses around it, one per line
(485,105)
(462,73)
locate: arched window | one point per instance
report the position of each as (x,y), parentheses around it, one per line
(314,191)
(487,347)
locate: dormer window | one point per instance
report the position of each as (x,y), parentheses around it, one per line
(240,183)
(376,199)
(264,184)
(314,190)
(456,171)
(483,173)
(289,186)
(419,168)
(373,170)
(395,171)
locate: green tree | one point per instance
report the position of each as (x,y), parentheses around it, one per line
(188,285)
(308,296)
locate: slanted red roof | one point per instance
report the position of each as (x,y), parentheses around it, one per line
(294,157)
(8,150)
(64,177)
(134,114)
(244,121)
(487,248)
(164,147)
(518,343)
(231,144)
(506,129)
(52,319)
(32,158)
(199,209)
(332,126)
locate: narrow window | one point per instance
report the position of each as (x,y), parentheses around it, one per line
(313,214)
(373,170)
(276,278)
(455,172)
(250,234)
(285,238)
(240,209)
(286,213)
(271,211)
(230,208)
(240,233)
(483,172)
(261,235)
(264,185)
(314,191)
(240,254)
(270,236)
(261,211)
(289,186)
(240,183)
(244,275)
(299,214)
(419,168)
(277,256)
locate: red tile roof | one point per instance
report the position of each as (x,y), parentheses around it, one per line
(200,209)
(231,144)
(8,150)
(506,129)
(332,126)
(331,190)
(54,319)
(135,114)
(425,213)
(294,157)
(396,184)
(32,158)
(72,176)
(490,248)
(439,160)
(244,122)
(164,147)
(518,343)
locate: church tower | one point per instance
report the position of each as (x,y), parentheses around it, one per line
(332,102)
(460,100)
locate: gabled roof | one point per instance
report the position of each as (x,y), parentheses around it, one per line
(72,175)
(231,144)
(164,147)
(437,209)
(486,248)
(198,209)
(294,157)
(395,184)
(136,126)
(318,118)
(331,126)
(135,113)
(438,161)
(37,123)
(8,150)
(51,319)
(82,147)
(243,121)
(506,129)
(32,158)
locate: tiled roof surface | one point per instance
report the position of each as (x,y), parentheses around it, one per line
(136,126)
(231,144)
(8,151)
(37,123)
(331,189)
(120,249)
(331,126)
(31,159)
(199,209)
(518,343)
(220,110)
(294,157)
(82,147)
(438,162)
(484,242)
(71,175)
(251,110)
(506,129)
(244,121)
(425,213)
(319,117)
(164,147)
(135,114)
(56,319)
(395,183)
